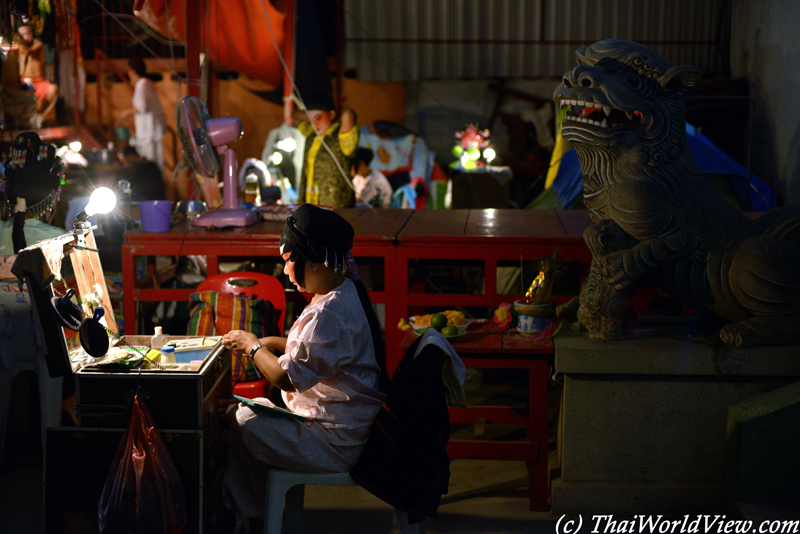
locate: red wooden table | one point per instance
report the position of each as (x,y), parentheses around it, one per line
(486,347)
(375,233)
(488,236)
(397,236)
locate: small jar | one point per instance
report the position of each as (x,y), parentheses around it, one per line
(167,354)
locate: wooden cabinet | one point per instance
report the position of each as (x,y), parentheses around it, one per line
(183,405)
(181,398)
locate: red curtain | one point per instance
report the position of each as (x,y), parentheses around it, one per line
(235,33)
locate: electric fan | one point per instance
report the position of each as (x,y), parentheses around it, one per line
(202,138)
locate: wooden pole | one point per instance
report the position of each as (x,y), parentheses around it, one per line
(193,10)
(288,56)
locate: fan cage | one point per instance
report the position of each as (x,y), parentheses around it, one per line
(191,120)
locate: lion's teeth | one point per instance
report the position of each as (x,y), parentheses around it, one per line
(629,114)
(607,110)
(590,105)
(604,124)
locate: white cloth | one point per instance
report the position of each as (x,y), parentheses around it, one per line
(150,122)
(373,185)
(42,259)
(454,372)
(331,363)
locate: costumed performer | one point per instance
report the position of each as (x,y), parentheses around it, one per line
(31,53)
(322,181)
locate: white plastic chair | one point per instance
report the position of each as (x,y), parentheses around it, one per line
(291,486)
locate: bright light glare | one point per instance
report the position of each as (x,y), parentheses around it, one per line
(489,154)
(102,200)
(76,146)
(71,157)
(287,145)
(277,158)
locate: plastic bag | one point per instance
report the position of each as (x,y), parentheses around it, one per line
(143,492)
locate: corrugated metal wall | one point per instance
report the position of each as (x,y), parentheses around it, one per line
(406,40)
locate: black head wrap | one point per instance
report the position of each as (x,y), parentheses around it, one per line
(321,236)
(317,234)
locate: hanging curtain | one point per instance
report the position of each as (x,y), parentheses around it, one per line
(236,34)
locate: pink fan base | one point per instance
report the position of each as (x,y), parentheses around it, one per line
(223,217)
(230,214)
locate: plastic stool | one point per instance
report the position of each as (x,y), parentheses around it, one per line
(291,485)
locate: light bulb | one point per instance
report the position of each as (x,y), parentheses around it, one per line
(102,200)
(75,146)
(287,145)
(277,158)
(489,154)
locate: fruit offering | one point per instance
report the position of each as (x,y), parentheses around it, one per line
(450,331)
(455,318)
(438,321)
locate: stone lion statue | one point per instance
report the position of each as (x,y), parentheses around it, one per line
(626,119)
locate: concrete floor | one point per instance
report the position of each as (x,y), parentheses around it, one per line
(484,496)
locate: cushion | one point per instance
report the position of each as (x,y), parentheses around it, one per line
(215,314)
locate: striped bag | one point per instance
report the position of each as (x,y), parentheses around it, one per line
(215,314)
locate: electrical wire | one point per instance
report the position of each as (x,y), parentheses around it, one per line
(300,97)
(144,27)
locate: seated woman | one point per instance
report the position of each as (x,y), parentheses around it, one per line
(332,368)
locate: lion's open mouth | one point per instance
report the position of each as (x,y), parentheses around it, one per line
(599,115)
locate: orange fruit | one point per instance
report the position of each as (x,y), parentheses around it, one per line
(438,321)
(449,331)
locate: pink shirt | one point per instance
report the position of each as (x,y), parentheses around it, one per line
(330,360)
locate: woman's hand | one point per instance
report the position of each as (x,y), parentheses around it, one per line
(240,341)
(348,120)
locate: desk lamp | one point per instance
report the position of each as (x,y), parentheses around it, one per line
(101,201)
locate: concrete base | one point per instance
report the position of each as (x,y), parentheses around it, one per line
(643,421)
(574,498)
(762,464)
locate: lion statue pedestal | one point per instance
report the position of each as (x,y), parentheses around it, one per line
(643,421)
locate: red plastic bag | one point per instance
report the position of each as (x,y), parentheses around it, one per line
(143,492)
